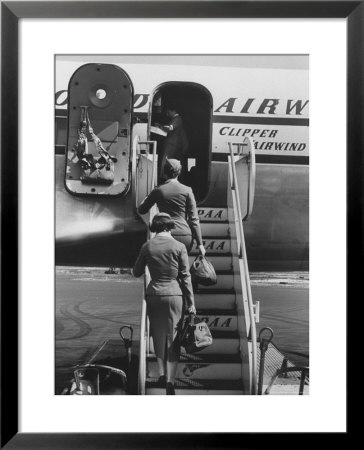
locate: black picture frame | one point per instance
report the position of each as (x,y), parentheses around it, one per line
(11,13)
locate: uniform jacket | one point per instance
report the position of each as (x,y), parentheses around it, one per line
(178,201)
(167,261)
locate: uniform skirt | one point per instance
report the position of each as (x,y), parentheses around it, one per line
(165,316)
(185,239)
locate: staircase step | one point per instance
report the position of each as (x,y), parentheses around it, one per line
(213,245)
(160,391)
(210,358)
(228,271)
(220,262)
(218,312)
(199,387)
(224,334)
(212,214)
(214,229)
(220,322)
(203,358)
(224,281)
(227,344)
(211,290)
(200,370)
(218,301)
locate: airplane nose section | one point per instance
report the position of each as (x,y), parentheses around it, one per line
(80,229)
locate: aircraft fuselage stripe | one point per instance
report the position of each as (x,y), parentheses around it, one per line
(222,157)
(267,159)
(289,121)
(142,117)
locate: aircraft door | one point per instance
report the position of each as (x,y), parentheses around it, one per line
(188,107)
(98,153)
(145,162)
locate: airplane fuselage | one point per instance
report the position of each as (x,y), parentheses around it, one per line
(268,105)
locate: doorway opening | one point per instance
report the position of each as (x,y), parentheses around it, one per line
(193,103)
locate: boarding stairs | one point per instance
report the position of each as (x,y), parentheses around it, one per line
(228,366)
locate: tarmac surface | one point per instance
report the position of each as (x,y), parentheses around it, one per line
(90,309)
(91,306)
(284,307)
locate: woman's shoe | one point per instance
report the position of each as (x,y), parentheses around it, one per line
(170,389)
(162,380)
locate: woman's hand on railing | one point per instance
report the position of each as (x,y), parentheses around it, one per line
(202,250)
(192,309)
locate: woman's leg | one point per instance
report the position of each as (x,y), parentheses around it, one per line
(171,371)
(161,367)
(171,377)
(158,312)
(176,312)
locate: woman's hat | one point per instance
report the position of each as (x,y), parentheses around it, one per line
(173,164)
(161,220)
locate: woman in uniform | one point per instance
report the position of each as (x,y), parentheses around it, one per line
(167,262)
(177,200)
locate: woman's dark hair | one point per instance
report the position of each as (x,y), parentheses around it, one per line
(161,223)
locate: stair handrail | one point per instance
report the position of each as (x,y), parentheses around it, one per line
(144,323)
(137,142)
(134,160)
(252,170)
(242,256)
(252,176)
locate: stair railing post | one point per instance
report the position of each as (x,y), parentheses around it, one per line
(302,382)
(264,344)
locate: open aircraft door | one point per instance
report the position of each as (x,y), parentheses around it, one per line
(145,161)
(100,106)
(194,104)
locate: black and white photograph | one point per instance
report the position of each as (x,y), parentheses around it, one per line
(181,200)
(181,224)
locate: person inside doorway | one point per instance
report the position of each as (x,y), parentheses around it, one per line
(175,145)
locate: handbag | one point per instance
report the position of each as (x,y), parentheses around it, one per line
(203,272)
(195,334)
